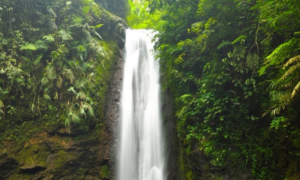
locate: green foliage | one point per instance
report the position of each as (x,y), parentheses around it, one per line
(49,59)
(29,46)
(211,55)
(85,10)
(139,16)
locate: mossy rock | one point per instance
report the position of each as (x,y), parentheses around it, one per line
(33,156)
(64,159)
(104,172)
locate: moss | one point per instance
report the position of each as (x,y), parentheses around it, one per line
(63,158)
(292,171)
(17,133)
(20,176)
(104,172)
(189,175)
(81,173)
(32,156)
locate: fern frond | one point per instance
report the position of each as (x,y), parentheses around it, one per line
(80,83)
(50,71)
(65,35)
(38,60)
(288,85)
(240,39)
(290,71)
(32,107)
(50,11)
(97,34)
(47,97)
(96,9)
(69,75)
(71,89)
(59,81)
(56,95)
(295,90)
(81,109)
(49,38)
(54,55)
(97,26)
(44,81)
(41,44)
(90,109)
(223,44)
(280,53)
(52,26)
(1,104)
(87,33)
(86,10)
(100,51)
(73,116)
(29,46)
(1,107)
(81,95)
(281,97)
(252,61)
(292,60)
(239,51)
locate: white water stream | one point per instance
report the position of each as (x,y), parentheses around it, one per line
(141,141)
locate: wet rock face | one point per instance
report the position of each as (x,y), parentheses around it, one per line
(172,150)
(7,166)
(50,156)
(113,111)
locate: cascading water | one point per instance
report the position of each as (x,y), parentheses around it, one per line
(141,141)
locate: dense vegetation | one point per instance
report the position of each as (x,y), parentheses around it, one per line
(233,68)
(54,63)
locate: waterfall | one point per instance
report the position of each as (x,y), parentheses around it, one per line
(141,140)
